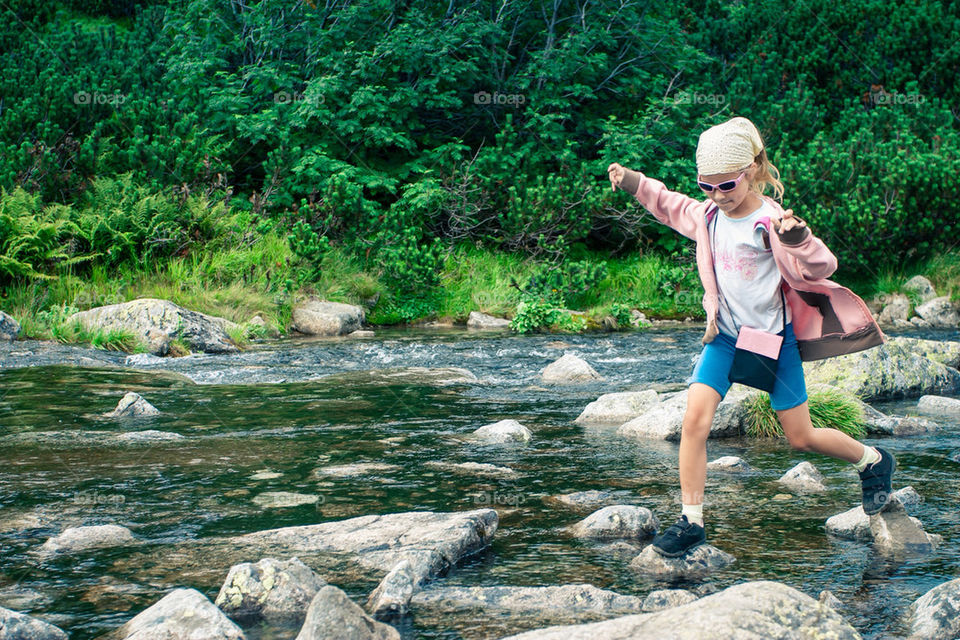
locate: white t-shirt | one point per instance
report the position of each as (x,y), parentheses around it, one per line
(747,275)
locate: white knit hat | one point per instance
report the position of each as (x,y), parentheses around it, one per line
(728,147)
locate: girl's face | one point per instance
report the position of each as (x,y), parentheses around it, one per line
(730,201)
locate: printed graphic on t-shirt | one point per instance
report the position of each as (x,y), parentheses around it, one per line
(744,262)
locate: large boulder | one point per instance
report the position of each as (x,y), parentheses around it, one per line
(156,323)
(334,616)
(748,610)
(854,524)
(617,408)
(9,327)
(77,539)
(896,369)
(943,351)
(618,521)
(939,313)
(274,590)
(182,614)
(664,420)
(936,614)
(321,318)
(19,626)
(569,369)
(922,287)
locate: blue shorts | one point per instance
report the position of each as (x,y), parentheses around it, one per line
(714,362)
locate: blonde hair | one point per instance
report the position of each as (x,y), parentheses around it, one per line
(766,175)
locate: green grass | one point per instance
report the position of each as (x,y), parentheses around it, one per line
(828,409)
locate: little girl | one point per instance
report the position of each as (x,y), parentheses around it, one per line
(757,283)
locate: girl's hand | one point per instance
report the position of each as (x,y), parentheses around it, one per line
(616,173)
(787,222)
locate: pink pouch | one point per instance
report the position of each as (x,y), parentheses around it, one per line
(757,341)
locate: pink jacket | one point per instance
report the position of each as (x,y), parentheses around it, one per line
(828,319)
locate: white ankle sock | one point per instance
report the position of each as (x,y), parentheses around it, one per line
(694,513)
(870,455)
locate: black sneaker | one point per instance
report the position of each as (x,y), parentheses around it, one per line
(679,538)
(877,483)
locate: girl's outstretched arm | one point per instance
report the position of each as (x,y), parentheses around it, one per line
(677,211)
(814,259)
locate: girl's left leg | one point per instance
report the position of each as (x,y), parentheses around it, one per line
(801,434)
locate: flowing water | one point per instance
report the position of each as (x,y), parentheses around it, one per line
(266,419)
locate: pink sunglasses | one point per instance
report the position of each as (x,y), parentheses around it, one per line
(729,185)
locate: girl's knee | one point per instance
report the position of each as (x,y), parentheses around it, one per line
(801,441)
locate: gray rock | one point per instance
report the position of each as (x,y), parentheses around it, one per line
(503,431)
(19,626)
(560,601)
(334,616)
(803,478)
(392,596)
(182,614)
(148,435)
(132,405)
(9,327)
(282,499)
(702,560)
(911,426)
(936,614)
(158,322)
(76,539)
(748,610)
(941,313)
(729,463)
(361,333)
(661,422)
(569,369)
(357,469)
(896,369)
(478,320)
(321,318)
(638,318)
(278,591)
(828,599)
(943,351)
(667,599)
(472,468)
(583,499)
(664,421)
(939,406)
(142,359)
(896,533)
(922,287)
(896,309)
(919,322)
(617,521)
(618,408)
(18,597)
(854,524)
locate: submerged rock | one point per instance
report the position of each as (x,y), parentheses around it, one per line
(899,368)
(618,408)
(803,478)
(274,590)
(76,539)
(617,521)
(503,431)
(19,626)
(583,499)
(132,405)
(321,318)
(569,369)
(560,600)
(182,614)
(696,563)
(158,322)
(936,614)
(334,616)
(748,610)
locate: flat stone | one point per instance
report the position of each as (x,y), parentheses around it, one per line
(334,616)
(473,468)
(751,610)
(583,499)
(149,435)
(729,463)
(503,431)
(803,478)
(667,599)
(559,600)
(132,405)
(696,563)
(939,406)
(618,408)
(936,614)
(182,614)
(265,474)
(569,369)
(278,591)
(362,333)
(617,521)
(19,626)
(76,539)
(478,320)
(281,499)
(357,469)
